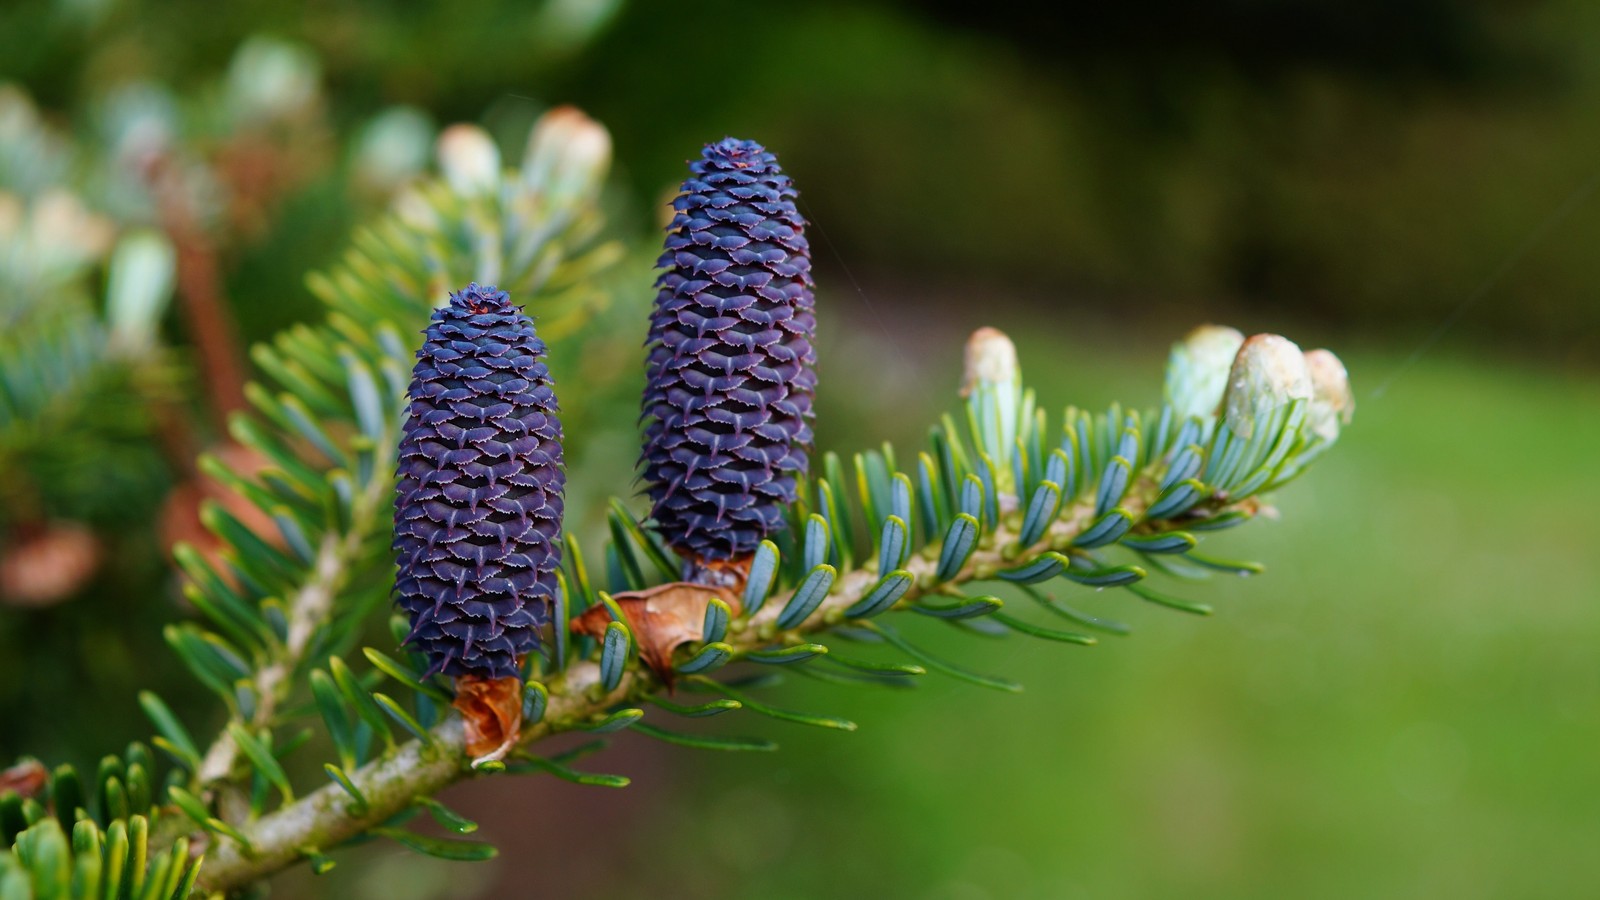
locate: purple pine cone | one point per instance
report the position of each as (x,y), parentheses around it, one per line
(477,511)
(729,380)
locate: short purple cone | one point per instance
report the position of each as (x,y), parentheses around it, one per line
(478,505)
(729,377)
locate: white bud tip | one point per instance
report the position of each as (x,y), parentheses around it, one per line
(991,358)
(1197,369)
(567,152)
(1268,372)
(469,159)
(1332,403)
(143,268)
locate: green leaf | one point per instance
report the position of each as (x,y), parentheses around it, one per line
(836,510)
(219,602)
(262,757)
(1107,529)
(784,655)
(774,712)
(1042,510)
(763,572)
(190,806)
(614,655)
(1166,542)
(399,714)
(668,570)
(368,403)
(883,595)
(711,656)
(66,795)
(972,497)
(116,860)
(815,544)
(616,721)
(405,675)
(48,857)
(1113,484)
(807,597)
(1054,605)
(562,616)
(320,863)
(875,668)
(1046,566)
(445,816)
(359,808)
(938,665)
(1028,628)
(358,697)
(1176,500)
(1221,521)
(1224,565)
(439,848)
(715,625)
(1113,576)
(700,711)
(141,793)
(959,542)
(340,730)
(620,550)
(705,741)
(528,762)
(981,606)
(535,700)
(1144,593)
(894,545)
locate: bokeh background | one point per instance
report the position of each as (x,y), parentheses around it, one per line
(1407,703)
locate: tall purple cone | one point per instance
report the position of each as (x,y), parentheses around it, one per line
(728,387)
(478,507)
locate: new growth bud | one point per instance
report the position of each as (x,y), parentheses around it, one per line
(991,360)
(1197,370)
(567,155)
(469,159)
(992,384)
(1332,403)
(1268,373)
(139,286)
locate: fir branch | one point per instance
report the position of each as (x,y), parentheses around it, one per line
(307,612)
(390,783)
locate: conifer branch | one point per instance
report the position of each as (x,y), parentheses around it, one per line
(308,611)
(393,781)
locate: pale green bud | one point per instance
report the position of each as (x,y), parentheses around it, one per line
(992,384)
(469,159)
(143,268)
(1197,370)
(567,156)
(272,79)
(393,148)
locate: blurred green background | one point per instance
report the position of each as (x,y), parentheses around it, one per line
(1407,704)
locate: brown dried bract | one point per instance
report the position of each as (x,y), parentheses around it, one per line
(662,619)
(491,711)
(27,778)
